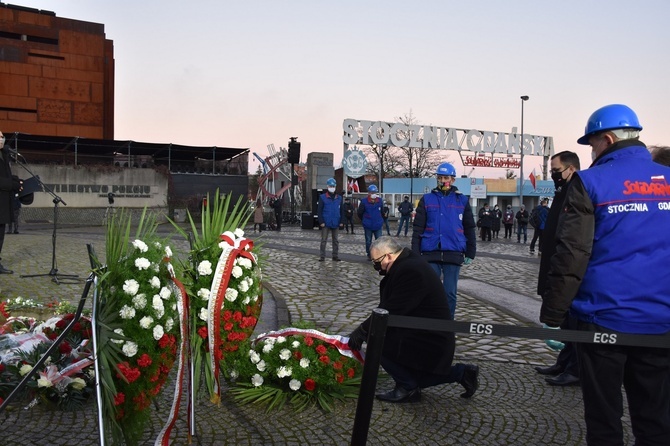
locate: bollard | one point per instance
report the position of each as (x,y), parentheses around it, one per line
(366,394)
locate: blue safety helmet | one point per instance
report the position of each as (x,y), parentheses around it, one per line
(610,117)
(330,182)
(446,169)
(372,188)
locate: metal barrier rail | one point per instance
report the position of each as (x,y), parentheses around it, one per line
(381,319)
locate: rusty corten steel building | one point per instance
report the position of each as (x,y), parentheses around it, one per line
(56,75)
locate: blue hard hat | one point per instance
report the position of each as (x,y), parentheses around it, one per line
(609,117)
(446,169)
(331,182)
(372,188)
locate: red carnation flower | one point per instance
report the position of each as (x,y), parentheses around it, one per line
(339,378)
(52,336)
(325,359)
(144,360)
(76,326)
(202,332)
(337,365)
(321,349)
(297,355)
(228,326)
(227,315)
(119,399)
(237,317)
(164,341)
(309,341)
(65,348)
(61,324)
(351,373)
(309,384)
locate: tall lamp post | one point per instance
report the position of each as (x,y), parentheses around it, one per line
(523,99)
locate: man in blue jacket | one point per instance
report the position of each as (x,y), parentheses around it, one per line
(331,218)
(444,231)
(610,270)
(542,213)
(370,213)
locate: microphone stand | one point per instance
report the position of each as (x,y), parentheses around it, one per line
(55,277)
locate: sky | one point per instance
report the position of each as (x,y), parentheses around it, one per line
(253,73)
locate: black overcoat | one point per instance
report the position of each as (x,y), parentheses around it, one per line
(8,187)
(411,288)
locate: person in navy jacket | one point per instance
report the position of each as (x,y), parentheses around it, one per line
(610,271)
(444,231)
(370,213)
(331,219)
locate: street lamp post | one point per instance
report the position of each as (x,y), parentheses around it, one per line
(523,99)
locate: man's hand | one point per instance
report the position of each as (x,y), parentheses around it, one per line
(467,261)
(554,345)
(356,338)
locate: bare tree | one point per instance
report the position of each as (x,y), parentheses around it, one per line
(418,162)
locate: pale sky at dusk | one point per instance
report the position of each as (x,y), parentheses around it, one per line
(248,74)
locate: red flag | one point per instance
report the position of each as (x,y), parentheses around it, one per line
(532,179)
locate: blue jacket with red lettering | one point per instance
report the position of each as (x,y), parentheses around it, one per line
(611,262)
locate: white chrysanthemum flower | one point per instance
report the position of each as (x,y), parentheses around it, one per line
(131,287)
(169,324)
(146,322)
(168,252)
(246,300)
(295,344)
(284,354)
(155,267)
(118,331)
(158,332)
(44,382)
(234,374)
(155,282)
(267,348)
(140,301)
(237,272)
(255,298)
(254,357)
(239,233)
(304,363)
(129,349)
(270,341)
(205,268)
(141,263)
(25,368)
(157,303)
(245,263)
(204,313)
(294,384)
(139,244)
(78,383)
(257,380)
(281,339)
(261,366)
(244,286)
(165,292)
(203,293)
(284,371)
(231,294)
(127,312)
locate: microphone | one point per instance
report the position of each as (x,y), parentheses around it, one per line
(15,153)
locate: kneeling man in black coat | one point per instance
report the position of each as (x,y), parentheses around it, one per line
(415,359)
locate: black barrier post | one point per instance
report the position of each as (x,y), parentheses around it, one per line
(373,355)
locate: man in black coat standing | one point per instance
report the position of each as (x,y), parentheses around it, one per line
(9,186)
(415,359)
(563,166)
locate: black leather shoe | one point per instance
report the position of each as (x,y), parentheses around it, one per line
(470,380)
(4,270)
(400,395)
(551,370)
(336,259)
(564,379)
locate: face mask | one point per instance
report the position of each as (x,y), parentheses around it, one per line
(378,267)
(558,178)
(445,185)
(374,196)
(331,190)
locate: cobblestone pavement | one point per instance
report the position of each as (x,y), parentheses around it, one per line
(513,405)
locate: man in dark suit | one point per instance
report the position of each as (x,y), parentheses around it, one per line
(9,186)
(415,359)
(563,166)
